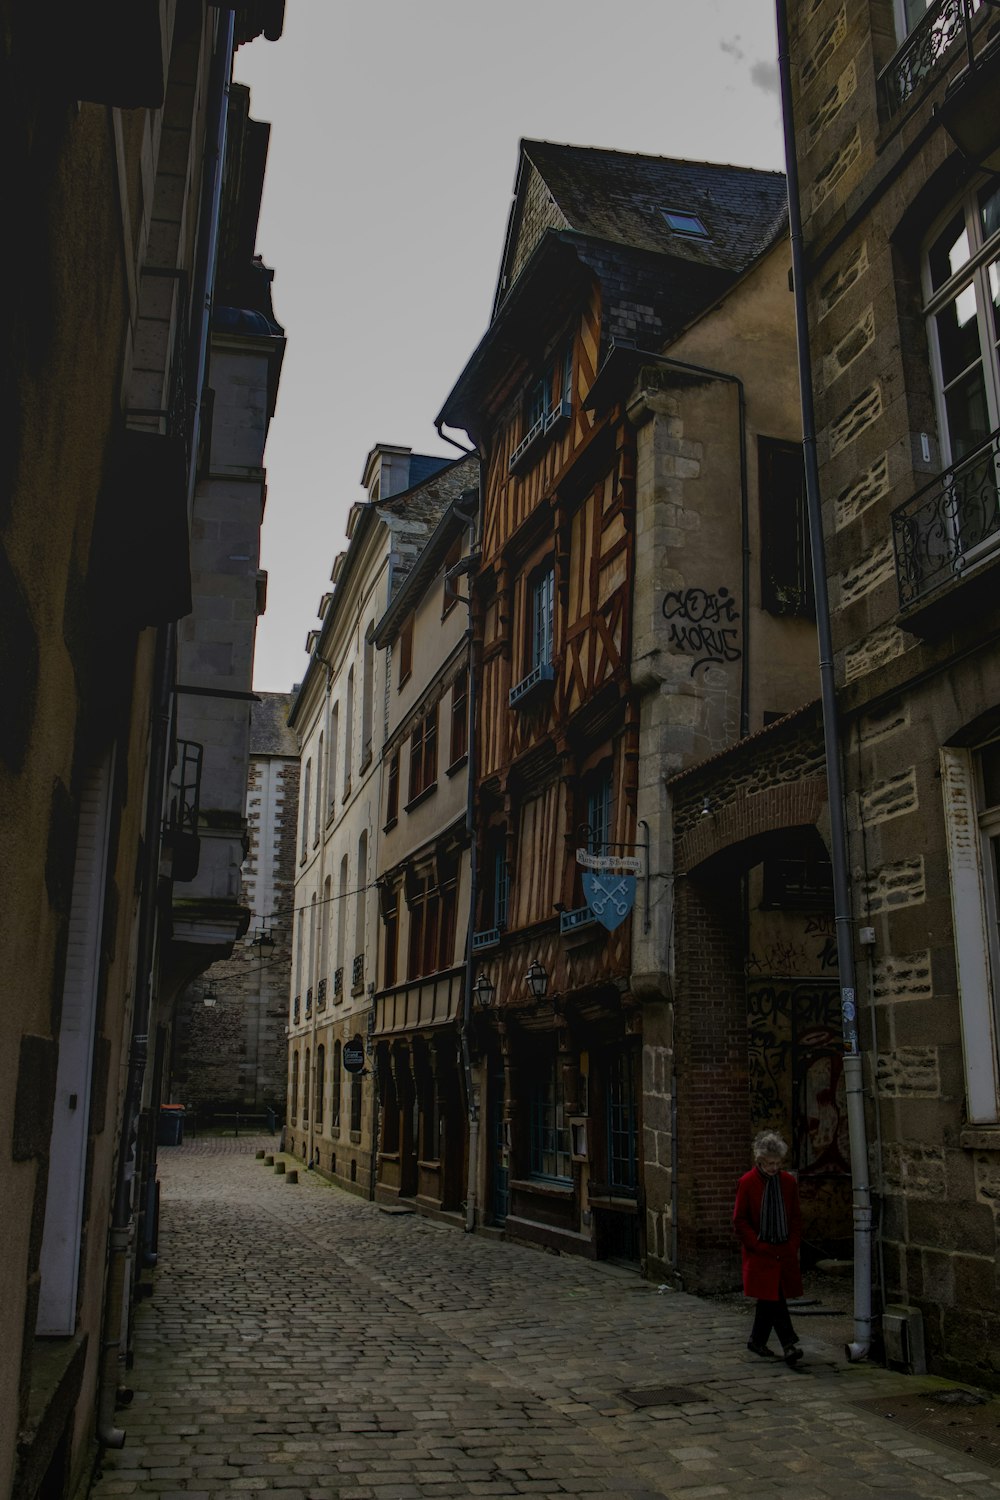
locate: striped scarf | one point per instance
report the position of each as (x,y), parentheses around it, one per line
(773,1219)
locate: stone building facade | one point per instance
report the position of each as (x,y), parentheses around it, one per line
(229,1039)
(113,124)
(895,112)
(339,717)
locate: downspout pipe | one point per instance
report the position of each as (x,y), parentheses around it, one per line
(472,1102)
(853,1072)
(646,356)
(108,1433)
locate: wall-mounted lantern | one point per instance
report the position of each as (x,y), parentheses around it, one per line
(538,979)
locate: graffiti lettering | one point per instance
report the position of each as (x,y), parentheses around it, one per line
(702,626)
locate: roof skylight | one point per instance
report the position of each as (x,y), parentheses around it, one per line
(685,223)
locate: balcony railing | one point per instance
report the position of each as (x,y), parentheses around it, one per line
(944,24)
(338,983)
(358,974)
(949,524)
(295,1010)
(309,1003)
(487,937)
(573,921)
(321,995)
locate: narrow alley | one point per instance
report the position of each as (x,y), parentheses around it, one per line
(301,1342)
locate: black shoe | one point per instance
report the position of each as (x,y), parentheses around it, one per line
(792,1354)
(760,1349)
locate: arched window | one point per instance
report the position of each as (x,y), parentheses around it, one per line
(294,1113)
(318,799)
(320,1086)
(348,731)
(305,1088)
(331,770)
(306,793)
(336,1080)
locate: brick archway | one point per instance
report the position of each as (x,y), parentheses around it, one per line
(789,804)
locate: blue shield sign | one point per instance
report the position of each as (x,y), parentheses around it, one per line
(610,895)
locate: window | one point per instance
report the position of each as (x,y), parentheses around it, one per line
(599,824)
(405,651)
(306,792)
(423,754)
(970,785)
(548,405)
(356,1103)
(336,1081)
(459,717)
(319,790)
(389,896)
(685,223)
(348,731)
(360,909)
(452,558)
(306,1084)
(320,1085)
(543,593)
(786,581)
(331,771)
(392,792)
(549,1134)
(962,285)
(623,1121)
(945,26)
(425,913)
(367,695)
(325,918)
(342,921)
(799,876)
(295,1088)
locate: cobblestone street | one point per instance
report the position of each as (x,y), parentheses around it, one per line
(301,1342)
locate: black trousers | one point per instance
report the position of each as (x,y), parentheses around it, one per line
(772,1315)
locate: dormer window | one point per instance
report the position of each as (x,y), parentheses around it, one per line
(681,222)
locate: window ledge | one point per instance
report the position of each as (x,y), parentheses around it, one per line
(347,790)
(388,827)
(420,797)
(456,765)
(541,675)
(355,1137)
(980,1138)
(366,758)
(404,679)
(543,1187)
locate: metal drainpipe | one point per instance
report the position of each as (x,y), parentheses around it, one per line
(647,357)
(110,1435)
(470,809)
(853,1073)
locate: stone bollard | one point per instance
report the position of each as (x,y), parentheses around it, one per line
(279,1167)
(260,1154)
(269,1161)
(291,1176)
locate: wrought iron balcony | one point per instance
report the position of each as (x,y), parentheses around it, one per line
(573,921)
(309,1003)
(358,974)
(321,995)
(338,983)
(945,23)
(949,525)
(295,1010)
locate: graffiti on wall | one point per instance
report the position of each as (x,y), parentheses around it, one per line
(796,1064)
(703,625)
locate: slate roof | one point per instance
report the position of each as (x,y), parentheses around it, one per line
(619,197)
(269,731)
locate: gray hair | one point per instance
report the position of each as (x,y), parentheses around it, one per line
(769,1143)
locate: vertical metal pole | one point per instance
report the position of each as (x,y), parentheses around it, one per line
(853,1073)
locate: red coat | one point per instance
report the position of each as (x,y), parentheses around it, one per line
(768,1270)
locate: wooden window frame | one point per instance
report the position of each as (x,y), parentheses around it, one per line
(392,792)
(423,757)
(459,745)
(405,652)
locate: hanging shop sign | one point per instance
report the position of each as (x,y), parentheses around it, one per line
(609,882)
(354,1055)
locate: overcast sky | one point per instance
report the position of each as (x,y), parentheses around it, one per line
(395,126)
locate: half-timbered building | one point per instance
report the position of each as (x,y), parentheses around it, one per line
(602,253)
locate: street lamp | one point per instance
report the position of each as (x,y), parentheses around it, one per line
(485,991)
(538,980)
(209,997)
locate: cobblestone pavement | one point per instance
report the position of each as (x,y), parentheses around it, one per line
(302,1343)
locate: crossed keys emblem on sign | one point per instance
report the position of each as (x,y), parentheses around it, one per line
(609,885)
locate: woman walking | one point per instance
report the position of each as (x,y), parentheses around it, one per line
(769,1224)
